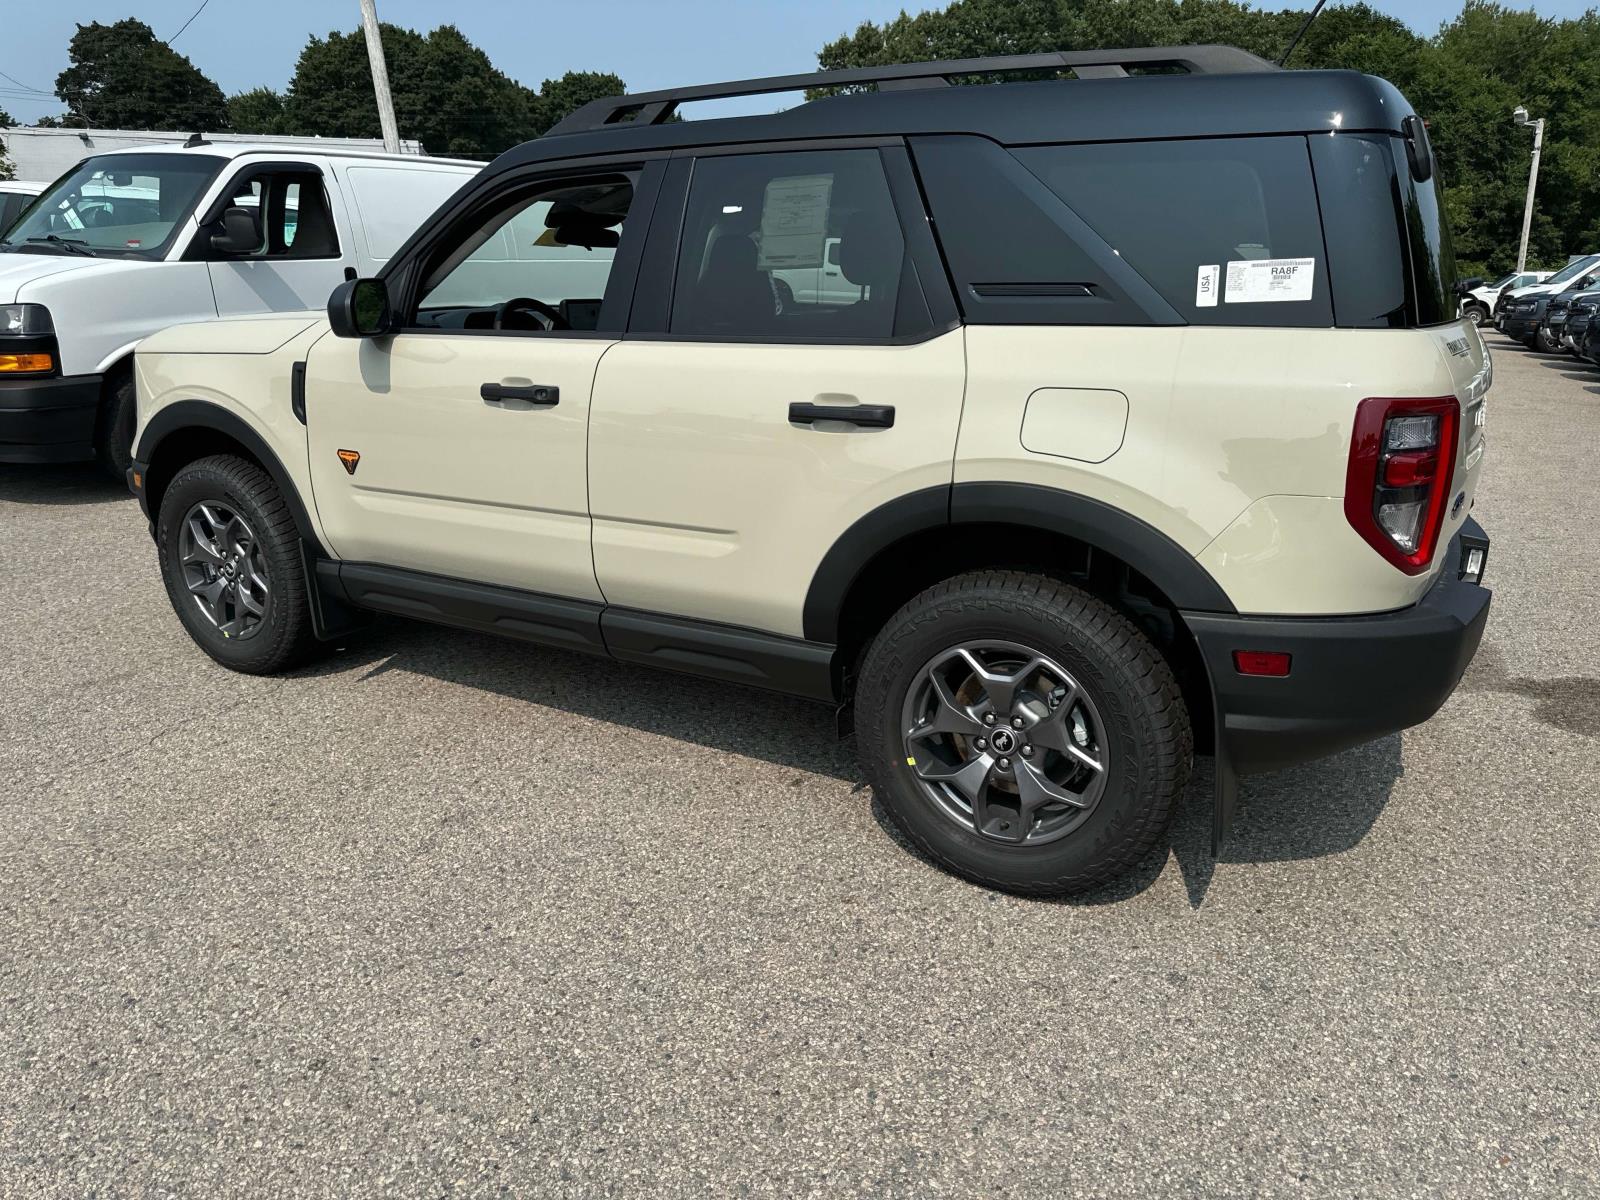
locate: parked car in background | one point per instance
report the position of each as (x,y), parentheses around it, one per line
(1540,317)
(1580,315)
(1519,311)
(959,478)
(131,241)
(1477,302)
(1589,347)
(16,195)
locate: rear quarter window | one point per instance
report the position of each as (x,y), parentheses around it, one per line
(393,201)
(1361,219)
(1226,229)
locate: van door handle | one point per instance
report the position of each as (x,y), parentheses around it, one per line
(534,393)
(876,416)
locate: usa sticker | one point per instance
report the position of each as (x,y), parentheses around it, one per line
(1205,287)
(1269,280)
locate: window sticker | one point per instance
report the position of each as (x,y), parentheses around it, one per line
(794,221)
(1269,280)
(1205,287)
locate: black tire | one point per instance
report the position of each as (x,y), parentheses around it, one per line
(1477,314)
(1542,341)
(113,432)
(1149,737)
(283,638)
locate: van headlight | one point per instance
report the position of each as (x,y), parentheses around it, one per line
(25,320)
(27,340)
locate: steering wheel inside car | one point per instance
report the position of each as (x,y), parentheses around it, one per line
(524,312)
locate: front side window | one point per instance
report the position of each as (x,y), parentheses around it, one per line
(292,215)
(537,263)
(126,205)
(1226,229)
(790,245)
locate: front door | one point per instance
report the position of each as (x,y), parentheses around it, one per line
(457,446)
(731,448)
(299,257)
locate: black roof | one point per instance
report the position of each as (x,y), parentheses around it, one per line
(1248,97)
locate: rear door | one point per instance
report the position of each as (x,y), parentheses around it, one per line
(747,421)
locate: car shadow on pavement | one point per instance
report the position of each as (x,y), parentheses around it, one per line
(1570,703)
(60,483)
(1308,812)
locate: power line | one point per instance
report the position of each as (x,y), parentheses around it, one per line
(189,22)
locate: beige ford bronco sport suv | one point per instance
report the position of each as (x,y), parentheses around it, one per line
(1051,430)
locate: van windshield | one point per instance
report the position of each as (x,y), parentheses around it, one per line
(1573,269)
(123,205)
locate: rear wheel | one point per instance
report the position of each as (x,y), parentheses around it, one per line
(230,557)
(1022,732)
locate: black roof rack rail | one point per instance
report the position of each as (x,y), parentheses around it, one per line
(652,108)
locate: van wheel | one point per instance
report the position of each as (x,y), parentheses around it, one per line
(1022,732)
(113,433)
(230,557)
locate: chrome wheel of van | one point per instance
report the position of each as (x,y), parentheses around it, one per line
(1003,741)
(224,568)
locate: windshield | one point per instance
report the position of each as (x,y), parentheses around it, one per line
(1573,269)
(129,205)
(1502,281)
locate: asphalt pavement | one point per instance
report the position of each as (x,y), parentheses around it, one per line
(452,916)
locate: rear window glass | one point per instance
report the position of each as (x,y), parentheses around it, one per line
(1226,229)
(394,200)
(1361,219)
(1433,258)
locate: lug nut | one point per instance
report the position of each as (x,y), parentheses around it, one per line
(1005,764)
(988,718)
(1016,722)
(1027,752)
(982,745)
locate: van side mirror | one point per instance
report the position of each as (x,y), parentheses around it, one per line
(360,308)
(241,232)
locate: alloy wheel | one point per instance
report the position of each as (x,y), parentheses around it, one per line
(224,568)
(1003,741)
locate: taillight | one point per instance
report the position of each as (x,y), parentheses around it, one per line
(1402,460)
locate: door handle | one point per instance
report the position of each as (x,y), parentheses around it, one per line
(534,393)
(875,416)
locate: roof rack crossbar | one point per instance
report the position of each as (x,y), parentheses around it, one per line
(652,108)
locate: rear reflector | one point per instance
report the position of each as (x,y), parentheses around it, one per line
(1272,663)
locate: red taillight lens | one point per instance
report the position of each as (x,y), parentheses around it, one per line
(1402,460)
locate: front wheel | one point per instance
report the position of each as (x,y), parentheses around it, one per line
(1543,341)
(1477,314)
(1022,732)
(113,432)
(230,557)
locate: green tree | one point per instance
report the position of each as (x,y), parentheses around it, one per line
(260,110)
(447,94)
(559,97)
(1464,79)
(121,77)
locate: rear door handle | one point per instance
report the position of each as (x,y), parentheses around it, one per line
(876,416)
(534,393)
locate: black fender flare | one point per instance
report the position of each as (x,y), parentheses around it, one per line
(1135,542)
(202,414)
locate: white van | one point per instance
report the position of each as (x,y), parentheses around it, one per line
(131,241)
(16,195)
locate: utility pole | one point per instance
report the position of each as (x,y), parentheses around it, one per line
(380,78)
(1521,117)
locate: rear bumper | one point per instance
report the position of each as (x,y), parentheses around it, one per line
(1351,679)
(48,420)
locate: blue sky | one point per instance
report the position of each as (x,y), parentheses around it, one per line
(650,43)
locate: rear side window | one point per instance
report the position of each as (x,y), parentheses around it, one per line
(1433,258)
(1226,229)
(792,245)
(393,201)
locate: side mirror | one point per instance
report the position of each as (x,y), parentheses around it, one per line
(241,232)
(360,308)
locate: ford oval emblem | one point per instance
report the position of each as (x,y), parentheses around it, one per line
(1455,509)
